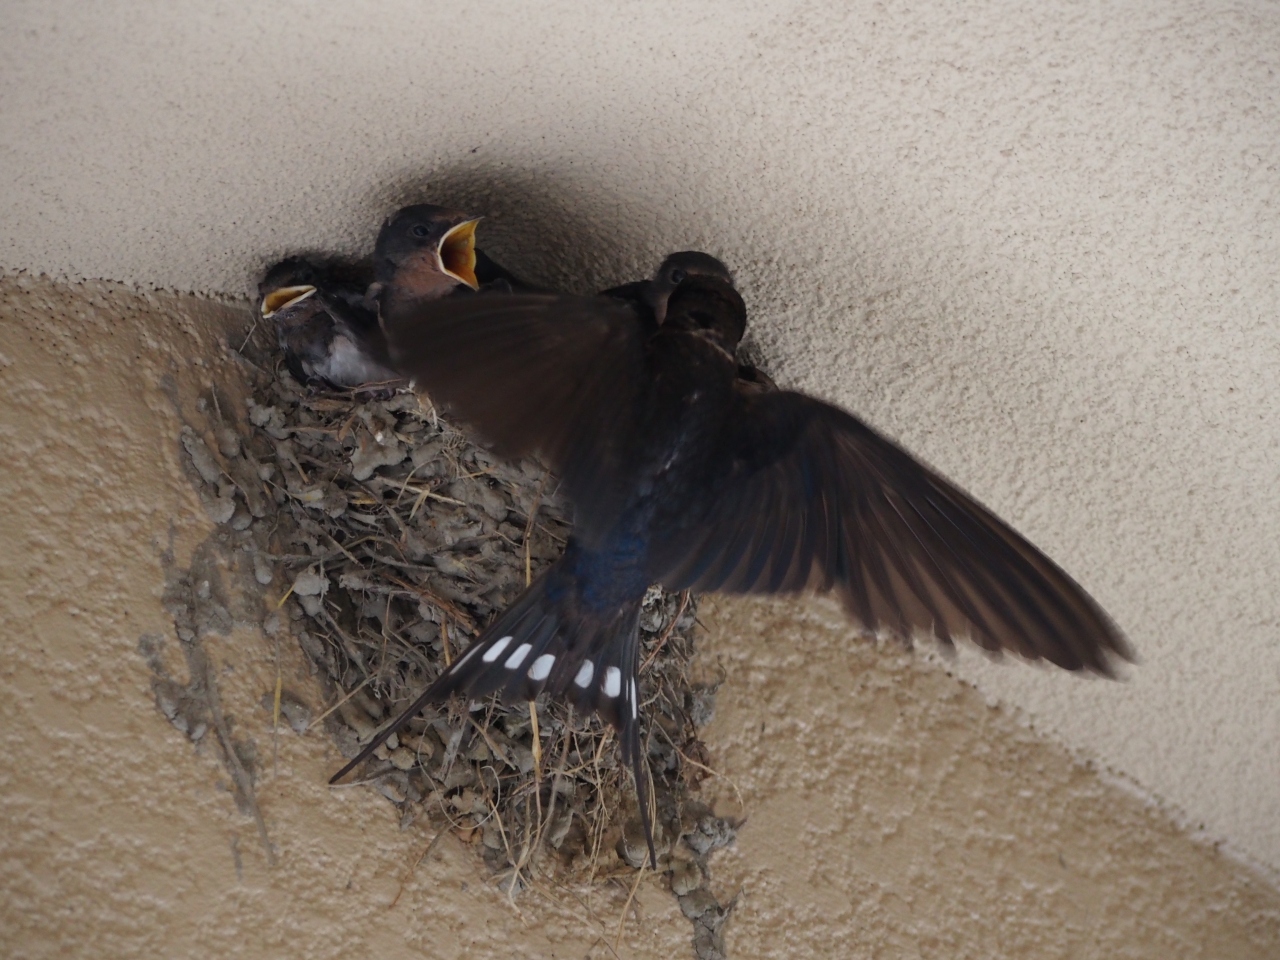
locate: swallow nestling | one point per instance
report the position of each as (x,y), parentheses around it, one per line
(425,252)
(326,329)
(678,476)
(326,318)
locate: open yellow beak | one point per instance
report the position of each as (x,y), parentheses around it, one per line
(457,253)
(277,300)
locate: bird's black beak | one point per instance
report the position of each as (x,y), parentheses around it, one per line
(277,300)
(457,253)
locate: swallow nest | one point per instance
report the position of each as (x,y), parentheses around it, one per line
(397,540)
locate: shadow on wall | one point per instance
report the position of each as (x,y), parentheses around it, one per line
(567,228)
(547,224)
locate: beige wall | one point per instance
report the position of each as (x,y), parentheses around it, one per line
(1035,242)
(891,811)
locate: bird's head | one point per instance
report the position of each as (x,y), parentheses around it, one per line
(286,285)
(425,251)
(709,307)
(675,270)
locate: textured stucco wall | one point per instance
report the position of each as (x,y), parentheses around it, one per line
(1037,243)
(120,840)
(891,811)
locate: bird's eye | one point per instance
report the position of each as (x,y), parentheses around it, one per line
(678,275)
(419,230)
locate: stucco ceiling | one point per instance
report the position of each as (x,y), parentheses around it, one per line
(1038,244)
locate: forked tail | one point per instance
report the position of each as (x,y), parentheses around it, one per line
(550,641)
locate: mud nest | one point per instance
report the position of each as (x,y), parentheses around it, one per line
(394,540)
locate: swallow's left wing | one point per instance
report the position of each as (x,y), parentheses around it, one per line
(810,497)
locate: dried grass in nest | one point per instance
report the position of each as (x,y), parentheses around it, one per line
(401,539)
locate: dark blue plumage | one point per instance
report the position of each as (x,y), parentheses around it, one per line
(683,473)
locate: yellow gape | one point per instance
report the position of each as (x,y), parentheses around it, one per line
(457,253)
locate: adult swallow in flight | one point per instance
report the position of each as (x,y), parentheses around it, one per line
(678,476)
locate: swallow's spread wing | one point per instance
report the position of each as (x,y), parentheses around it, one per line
(811,497)
(559,376)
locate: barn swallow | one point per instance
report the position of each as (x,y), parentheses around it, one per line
(679,477)
(326,328)
(425,251)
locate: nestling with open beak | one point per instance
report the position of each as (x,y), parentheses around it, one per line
(326,329)
(423,252)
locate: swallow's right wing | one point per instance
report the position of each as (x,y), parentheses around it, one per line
(559,376)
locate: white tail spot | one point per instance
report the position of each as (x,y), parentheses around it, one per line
(494,652)
(517,658)
(541,668)
(585,673)
(635,701)
(612,681)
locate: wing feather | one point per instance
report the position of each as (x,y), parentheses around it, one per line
(811,497)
